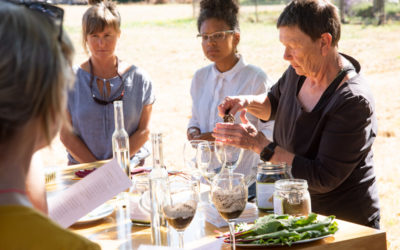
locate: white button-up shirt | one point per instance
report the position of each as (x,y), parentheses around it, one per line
(210,87)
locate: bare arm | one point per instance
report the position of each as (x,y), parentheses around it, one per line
(75,146)
(194,133)
(141,135)
(245,135)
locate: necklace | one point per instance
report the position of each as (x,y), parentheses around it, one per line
(121,88)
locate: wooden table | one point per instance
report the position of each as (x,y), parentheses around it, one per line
(117,232)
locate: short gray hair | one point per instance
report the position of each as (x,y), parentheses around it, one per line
(35,70)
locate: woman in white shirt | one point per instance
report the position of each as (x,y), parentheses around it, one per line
(228,75)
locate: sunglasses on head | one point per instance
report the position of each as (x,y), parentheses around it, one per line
(52,12)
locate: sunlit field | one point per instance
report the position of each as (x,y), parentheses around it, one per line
(162,40)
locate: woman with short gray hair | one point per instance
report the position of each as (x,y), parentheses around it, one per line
(324,115)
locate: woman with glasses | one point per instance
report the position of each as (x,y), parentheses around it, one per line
(229,74)
(100,80)
(35,72)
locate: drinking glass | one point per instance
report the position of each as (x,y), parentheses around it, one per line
(189,155)
(229,155)
(140,200)
(207,160)
(229,196)
(180,205)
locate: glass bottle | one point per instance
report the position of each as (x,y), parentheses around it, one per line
(158,181)
(120,144)
(267,174)
(292,197)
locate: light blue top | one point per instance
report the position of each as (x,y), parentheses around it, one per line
(94,123)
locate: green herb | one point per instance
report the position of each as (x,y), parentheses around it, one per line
(284,229)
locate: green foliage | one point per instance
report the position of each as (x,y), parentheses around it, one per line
(183,22)
(285,229)
(392,11)
(263,2)
(363,10)
(364,13)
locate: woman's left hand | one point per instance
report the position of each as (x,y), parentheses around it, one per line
(243,135)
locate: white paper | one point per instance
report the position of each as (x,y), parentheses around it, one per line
(87,194)
(151,247)
(207,244)
(201,244)
(249,214)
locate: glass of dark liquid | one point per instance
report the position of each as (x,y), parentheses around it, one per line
(180,205)
(229,196)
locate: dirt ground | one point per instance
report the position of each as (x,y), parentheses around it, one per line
(169,51)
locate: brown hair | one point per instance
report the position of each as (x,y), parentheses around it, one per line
(98,17)
(35,70)
(313,17)
(225,10)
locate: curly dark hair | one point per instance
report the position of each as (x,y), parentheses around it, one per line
(225,10)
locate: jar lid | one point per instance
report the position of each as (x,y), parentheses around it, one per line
(268,166)
(291,184)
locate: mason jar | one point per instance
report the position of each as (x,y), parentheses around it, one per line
(292,197)
(267,174)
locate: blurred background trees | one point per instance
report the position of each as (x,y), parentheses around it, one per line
(375,12)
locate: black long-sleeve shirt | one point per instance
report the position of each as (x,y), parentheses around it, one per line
(332,144)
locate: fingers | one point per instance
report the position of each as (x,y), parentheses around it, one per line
(223,107)
(243,117)
(231,104)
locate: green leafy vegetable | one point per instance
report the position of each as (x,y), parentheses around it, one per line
(284,229)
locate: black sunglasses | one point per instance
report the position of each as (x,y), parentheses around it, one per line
(54,13)
(101,101)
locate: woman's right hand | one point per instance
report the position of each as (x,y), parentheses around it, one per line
(232,104)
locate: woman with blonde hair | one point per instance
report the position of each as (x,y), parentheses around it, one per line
(35,72)
(100,80)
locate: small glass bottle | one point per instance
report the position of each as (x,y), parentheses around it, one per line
(292,197)
(267,174)
(120,144)
(158,180)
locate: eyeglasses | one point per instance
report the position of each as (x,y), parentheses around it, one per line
(216,36)
(101,101)
(54,13)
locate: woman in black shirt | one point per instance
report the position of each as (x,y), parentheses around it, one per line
(324,115)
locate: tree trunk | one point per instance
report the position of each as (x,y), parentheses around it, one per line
(256,9)
(342,11)
(379,11)
(194,8)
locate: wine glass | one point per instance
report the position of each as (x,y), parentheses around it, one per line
(207,161)
(229,196)
(190,153)
(229,155)
(180,205)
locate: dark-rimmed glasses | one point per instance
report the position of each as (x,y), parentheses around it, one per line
(54,13)
(216,36)
(101,101)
